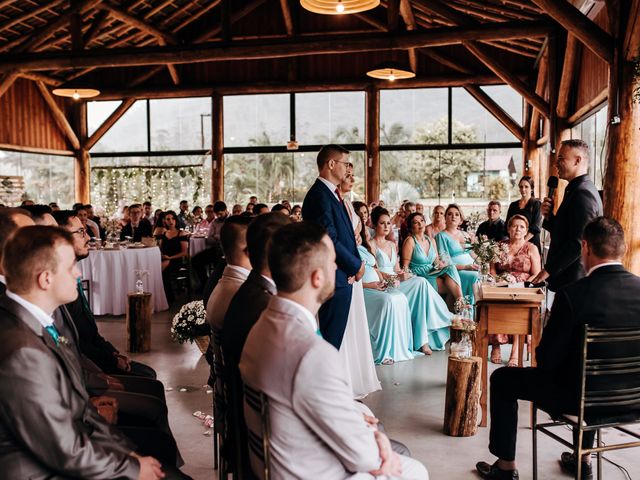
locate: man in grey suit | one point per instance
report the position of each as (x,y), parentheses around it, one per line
(48,427)
(316,431)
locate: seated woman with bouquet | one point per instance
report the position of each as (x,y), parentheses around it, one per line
(522,263)
(419,254)
(429,314)
(388,313)
(452,243)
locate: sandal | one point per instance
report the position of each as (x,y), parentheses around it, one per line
(388,361)
(513,362)
(496,354)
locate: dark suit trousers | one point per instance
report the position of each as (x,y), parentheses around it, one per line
(333,315)
(508,385)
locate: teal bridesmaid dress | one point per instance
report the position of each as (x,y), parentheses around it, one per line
(449,245)
(429,314)
(422,264)
(388,316)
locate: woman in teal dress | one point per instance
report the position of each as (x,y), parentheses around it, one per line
(419,254)
(451,242)
(429,314)
(388,312)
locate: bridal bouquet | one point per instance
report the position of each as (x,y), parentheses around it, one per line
(390,282)
(190,322)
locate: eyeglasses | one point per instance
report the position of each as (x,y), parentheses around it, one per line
(341,161)
(81,231)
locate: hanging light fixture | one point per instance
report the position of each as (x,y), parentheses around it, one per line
(339,7)
(391,71)
(76,93)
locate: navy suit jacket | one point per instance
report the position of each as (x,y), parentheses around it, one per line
(322,207)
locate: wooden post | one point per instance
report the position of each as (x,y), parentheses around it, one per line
(372,144)
(217,146)
(462,396)
(622,184)
(139,322)
(82,166)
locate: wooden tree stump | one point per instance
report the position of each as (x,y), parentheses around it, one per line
(462,396)
(139,322)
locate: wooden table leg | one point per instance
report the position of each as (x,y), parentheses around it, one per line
(482,343)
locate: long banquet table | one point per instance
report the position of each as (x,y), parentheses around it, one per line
(111,275)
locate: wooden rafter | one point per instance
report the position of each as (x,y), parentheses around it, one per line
(393,15)
(190,18)
(108,123)
(371,21)
(8,24)
(7,80)
(569,66)
(410,21)
(631,46)
(41,77)
(243,12)
(254,51)
(446,61)
(496,110)
(59,116)
(98,23)
(590,34)
(286,16)
(137,22)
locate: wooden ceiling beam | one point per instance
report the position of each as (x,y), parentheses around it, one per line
(631,43)
(108,123)
(496,110)
(446,61)
(454,80)
(286,16)
(29,14)
(41,77)
(190,18)
(569,67)
(59,116)
(98,23)
(135,21)
(578,24)
(7,80)
(393,15)
(30,42)
(406,12)
(243,12)
(371,21)
(278,49)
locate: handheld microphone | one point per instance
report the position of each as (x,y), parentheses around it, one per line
(552,184)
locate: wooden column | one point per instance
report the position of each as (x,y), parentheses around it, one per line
(217,145)
(82,166)
(622,183)
(372,144)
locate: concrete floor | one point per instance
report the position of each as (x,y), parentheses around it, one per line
(411,406)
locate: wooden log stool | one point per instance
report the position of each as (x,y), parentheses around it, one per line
(139,322)
(462,396)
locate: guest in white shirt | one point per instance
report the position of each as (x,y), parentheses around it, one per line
(203,226)
(316,431)
(233,237)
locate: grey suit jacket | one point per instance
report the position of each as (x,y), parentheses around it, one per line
(48,428)
(220,298)
(316,430)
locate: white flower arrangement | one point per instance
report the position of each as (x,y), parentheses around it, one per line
(111,225)
(190,322)
(489,251)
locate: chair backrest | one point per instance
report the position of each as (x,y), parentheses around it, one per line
(220,385)
(256,413)
(610,373)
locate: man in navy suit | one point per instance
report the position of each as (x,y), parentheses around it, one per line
(324,205)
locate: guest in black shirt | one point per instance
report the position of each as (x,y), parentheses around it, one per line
(174,246)
(529,207)
(494,228)
(137,226)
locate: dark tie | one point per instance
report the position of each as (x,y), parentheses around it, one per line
(53,331)
(339,196)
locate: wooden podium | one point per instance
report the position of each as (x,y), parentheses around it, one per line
(511,311)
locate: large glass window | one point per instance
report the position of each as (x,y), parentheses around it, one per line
(128,134)
(98,112)
(256,120)
(41,178)
(472,123)
(593,130)
(180,124)
(433,177)
(330,117)
(143,179)
(413,116)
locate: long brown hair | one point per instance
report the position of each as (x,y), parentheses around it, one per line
(363,234)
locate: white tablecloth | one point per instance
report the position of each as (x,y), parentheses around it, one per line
(196,245)
(111,276)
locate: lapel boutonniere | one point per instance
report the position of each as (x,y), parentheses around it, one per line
(62,340)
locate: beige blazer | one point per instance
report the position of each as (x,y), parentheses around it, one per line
(221,296)
(316,431)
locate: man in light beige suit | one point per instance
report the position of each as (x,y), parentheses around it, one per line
(316,430)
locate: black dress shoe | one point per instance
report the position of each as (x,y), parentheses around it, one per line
(492,472)
(568,464)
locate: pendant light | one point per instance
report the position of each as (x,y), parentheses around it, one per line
(76,93)
(339,7)
(391,71)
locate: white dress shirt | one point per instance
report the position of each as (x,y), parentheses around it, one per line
(605,264)
(332,188)
(44,319)
(306,314)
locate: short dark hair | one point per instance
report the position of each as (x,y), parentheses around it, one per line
(183,201)
(330,152)
(231,231)
(146,204)
(279,207)
(88,205)
(8,225)
(135,205)
(605,236)
(219,206)
(38,210)
(64,216)
(259,236)
(496,203)
(579,144)
(77,205)
(29,252)
(294,253)
(377,213)
(259,206)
